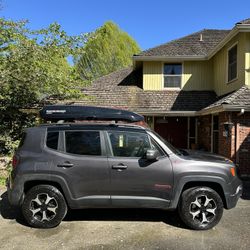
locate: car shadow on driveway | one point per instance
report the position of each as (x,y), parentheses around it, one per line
(129,214)
(9,212)
(144,215)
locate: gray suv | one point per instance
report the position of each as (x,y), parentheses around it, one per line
(113,165)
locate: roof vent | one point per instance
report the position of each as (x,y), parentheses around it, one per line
(201,38)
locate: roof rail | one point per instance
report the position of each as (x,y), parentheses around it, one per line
(78,113)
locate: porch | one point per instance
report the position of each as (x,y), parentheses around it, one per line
(225,133)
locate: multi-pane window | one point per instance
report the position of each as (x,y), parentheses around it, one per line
(172,75)
(232,63)
(83,142)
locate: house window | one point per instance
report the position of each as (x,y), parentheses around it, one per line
(172,75)
(232,63)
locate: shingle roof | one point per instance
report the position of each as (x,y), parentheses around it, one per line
(240,97)
(245,21)
(123,89)
(189,45)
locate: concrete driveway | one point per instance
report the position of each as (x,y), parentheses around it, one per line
(126,229)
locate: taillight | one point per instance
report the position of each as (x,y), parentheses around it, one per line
(15,161)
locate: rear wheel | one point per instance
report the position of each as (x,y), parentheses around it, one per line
(44,206)
(200,208)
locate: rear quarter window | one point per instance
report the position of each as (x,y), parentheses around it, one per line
(52,140)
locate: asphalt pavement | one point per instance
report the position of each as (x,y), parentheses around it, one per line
(126,229)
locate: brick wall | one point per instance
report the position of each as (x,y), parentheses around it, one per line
(226,144)
(237,146)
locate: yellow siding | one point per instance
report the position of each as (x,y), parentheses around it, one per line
(198,75)
(247,60)
(206,75)
(152,75)
(221,86)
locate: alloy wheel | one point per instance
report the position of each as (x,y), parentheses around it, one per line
(43,207)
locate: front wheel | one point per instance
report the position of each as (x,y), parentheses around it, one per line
(200,208)
(44,206)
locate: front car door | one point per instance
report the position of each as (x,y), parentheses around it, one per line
(136,181)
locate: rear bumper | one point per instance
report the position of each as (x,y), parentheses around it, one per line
(233,197)
(15,193)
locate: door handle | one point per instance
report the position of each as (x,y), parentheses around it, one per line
(65,165)
(119,167)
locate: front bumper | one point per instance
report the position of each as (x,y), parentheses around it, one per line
(233,197)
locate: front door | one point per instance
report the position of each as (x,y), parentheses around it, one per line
(173,129)
(136,181)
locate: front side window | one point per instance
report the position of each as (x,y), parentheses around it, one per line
(172,75)
(129,144)
(232,63)
(83,142)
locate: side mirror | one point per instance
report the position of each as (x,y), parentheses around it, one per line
(152,154)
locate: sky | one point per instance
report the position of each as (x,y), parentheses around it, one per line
(149,22)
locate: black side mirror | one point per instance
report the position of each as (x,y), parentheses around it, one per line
(152,154)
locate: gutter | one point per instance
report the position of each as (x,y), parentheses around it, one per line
(168,58)
(223,108)
(166,113)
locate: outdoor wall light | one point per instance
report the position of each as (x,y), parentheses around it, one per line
(227,128)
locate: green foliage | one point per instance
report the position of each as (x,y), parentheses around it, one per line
(33,68)
(106,50)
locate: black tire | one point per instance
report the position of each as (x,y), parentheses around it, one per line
(50,214)
(200,208)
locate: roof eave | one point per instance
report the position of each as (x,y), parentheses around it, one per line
(169,58)
(165,113)
(238,28)
(223,108)
(243,27)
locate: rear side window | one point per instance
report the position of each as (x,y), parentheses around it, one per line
(52,140)
(83,142)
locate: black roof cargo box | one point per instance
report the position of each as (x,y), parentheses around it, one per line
(73,112)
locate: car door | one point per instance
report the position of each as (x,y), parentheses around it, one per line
(84,167)
(136,181)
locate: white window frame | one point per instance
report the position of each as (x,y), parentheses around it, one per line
(181,75)
(227,79)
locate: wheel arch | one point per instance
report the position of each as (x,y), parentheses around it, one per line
(213,185)
(59,183)
(216,184)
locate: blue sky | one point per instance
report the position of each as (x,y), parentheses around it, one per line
(150,23)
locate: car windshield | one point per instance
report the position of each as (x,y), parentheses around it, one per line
(169,145)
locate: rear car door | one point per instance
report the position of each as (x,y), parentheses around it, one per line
(136,181)
(82,163)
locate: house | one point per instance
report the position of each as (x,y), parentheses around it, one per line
(194,91)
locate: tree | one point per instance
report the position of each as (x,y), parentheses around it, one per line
(106,50)
(33,67)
